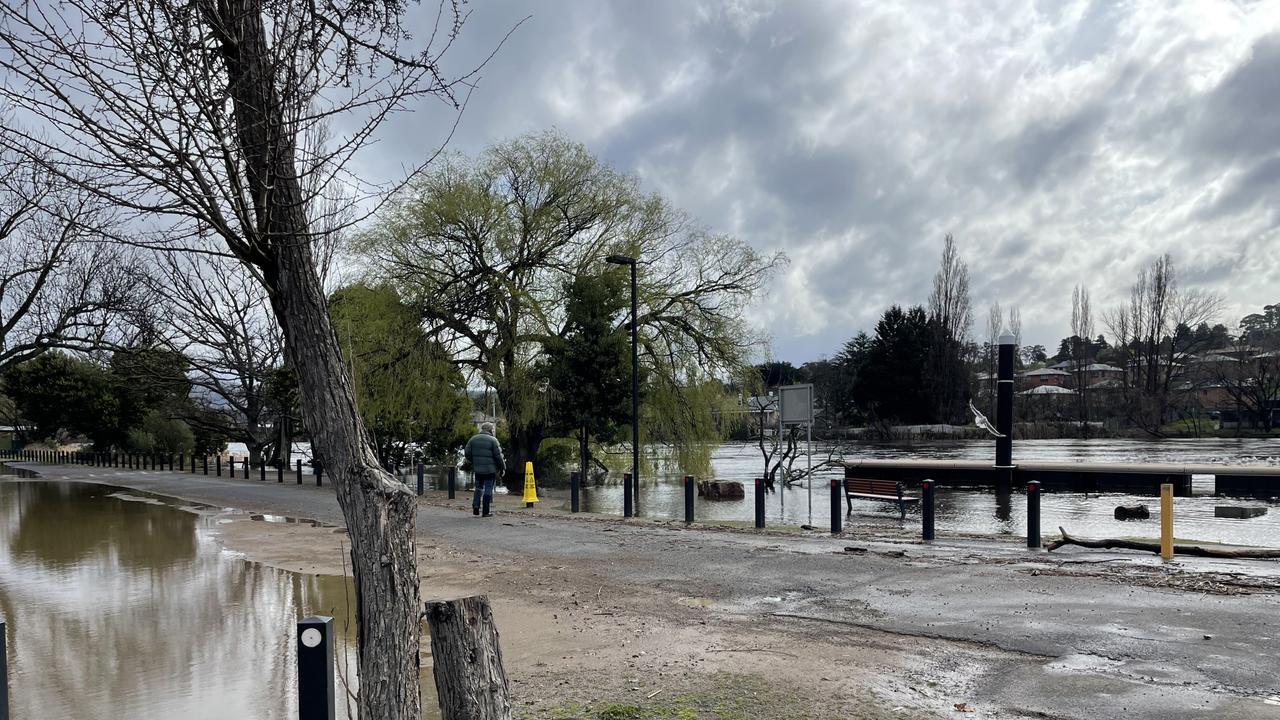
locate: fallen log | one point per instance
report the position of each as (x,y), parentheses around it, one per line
(1154,547)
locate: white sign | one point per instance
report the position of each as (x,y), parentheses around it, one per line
(797,404)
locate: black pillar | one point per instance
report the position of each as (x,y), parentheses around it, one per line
(4,675)
(759,503)
(627,510)
(926,509)
(280,471)
(1033,514)
(422,478)
(1004,414)
(689,490)
(316,669)
(575,486)
(299,472)
(835,506)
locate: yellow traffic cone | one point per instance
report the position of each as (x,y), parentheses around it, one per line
(530,487)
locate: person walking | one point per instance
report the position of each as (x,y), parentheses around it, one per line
(484,454)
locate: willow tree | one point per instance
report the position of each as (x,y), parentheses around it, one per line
(192,115)
(486,245)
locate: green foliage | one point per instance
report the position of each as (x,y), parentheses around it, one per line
(892,383)
(487,249)
(588,368)
(56,393)
(409,393)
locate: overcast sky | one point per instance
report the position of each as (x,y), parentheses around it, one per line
(1061,143)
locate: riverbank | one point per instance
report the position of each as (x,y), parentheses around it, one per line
(604,618)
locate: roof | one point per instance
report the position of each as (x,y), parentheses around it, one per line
(1048,390)
(1043,371)
(1107,384)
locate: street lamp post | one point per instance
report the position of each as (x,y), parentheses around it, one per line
(630,494)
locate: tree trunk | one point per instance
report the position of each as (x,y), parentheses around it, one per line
(379,512)
(1154,547)
(524,448)
(470,679)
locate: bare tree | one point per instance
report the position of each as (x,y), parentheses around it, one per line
(61,286)
(951,317)
(220,318)
(1154,338)
(1081,332)
(189,114)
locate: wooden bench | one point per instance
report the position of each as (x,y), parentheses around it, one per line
(888,490)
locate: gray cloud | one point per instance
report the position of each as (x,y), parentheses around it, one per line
(1061,143)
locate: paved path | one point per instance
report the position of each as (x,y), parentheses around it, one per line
(1107,645)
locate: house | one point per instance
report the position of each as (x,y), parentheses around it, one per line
(1046,376)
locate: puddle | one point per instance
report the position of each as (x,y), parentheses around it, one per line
(285,519)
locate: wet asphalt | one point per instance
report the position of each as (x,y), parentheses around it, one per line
(1079,647)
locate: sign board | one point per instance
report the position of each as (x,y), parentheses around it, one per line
(797,404)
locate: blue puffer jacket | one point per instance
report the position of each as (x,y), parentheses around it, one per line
(485,454)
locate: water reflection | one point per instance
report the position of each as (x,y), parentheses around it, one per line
(119,608)
(977,512)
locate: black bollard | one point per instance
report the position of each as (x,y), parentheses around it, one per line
(422,478)
(279,471)
(299,472)
(4,675)
(689,490)
(205,464)
(575,489)
(217,462)
(246,468)
(451,478)
(835,506)
(315,669)
(926,509)
(319,472)
(182,461)
(262,471)
(759,503)
(1033,514)
(626,496)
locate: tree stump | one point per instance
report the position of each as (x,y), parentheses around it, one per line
(470,679)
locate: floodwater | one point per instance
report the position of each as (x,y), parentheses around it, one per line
(120,605)
(977,512)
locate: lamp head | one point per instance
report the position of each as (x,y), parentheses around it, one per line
(620,260)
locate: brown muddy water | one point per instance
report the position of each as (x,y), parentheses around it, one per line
(121,605)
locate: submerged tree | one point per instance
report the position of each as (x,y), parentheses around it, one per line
(191,114)
(485,247)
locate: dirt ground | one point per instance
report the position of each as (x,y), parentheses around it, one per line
(578,646)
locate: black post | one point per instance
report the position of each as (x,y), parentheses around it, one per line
(279,471)
(1004,414)
(451,478)
(689,491)
(759,503)
(4,675)
(218,464)
(299,472)
(246,467)
(315,669)
(1033,514)
(319,471)
(635,399)
(575,487)
(262,471)
(627,510)
(835,506)
(926,509)
(422,478)
(205,464)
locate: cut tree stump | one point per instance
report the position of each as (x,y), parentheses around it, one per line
(470,679)
(1154,547)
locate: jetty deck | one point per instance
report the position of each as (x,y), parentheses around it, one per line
(1253,481)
